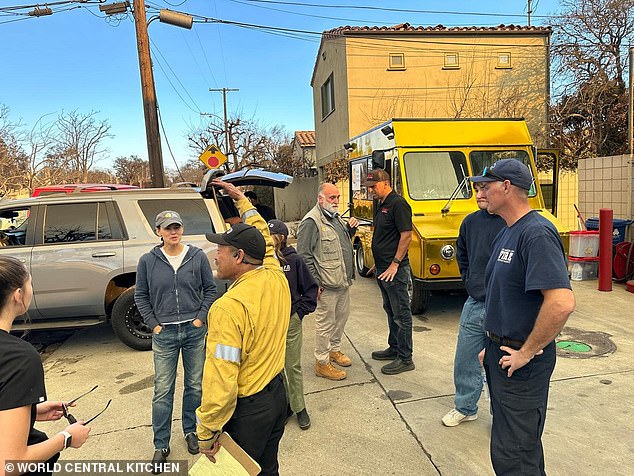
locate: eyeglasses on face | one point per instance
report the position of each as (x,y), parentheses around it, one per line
(71,419)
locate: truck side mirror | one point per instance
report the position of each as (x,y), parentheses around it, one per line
(378,159)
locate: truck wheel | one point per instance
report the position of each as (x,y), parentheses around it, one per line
(128,324)
(359,260)
(419,297)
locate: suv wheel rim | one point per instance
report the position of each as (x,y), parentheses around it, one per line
(134,323)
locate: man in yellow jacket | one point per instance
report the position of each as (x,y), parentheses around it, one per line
(243,389)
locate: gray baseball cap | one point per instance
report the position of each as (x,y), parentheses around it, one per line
(167,218)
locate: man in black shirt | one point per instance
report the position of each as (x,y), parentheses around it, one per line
(390,241)
(265,211)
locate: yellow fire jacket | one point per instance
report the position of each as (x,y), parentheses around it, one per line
(246,339)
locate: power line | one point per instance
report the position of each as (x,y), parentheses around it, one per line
(49,4)
(175,75)
(169,147)
(387,9)
(305,14)
(174,87)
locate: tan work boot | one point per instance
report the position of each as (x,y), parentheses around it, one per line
(340,358)
(329,371)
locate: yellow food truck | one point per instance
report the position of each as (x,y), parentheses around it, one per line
(429,162)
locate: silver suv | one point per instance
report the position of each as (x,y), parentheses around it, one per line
(82,250)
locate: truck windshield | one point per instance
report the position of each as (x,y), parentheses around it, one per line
(434,175)
(485,158)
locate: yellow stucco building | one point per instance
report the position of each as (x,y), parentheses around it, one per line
(366,75)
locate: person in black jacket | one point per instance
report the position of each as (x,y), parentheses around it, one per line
(174,291)
(303,301)
(265,211)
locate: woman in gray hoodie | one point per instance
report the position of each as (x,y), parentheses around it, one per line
(174,291)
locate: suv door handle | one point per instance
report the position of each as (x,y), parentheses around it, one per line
(104,254)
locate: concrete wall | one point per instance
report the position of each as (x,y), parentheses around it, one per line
(566,198)
(606,182)
(292,202)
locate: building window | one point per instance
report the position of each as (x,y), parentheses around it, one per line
(397,61)
(504,61)
(452,61)
(327,97)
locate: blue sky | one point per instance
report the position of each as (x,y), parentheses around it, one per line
(79,60)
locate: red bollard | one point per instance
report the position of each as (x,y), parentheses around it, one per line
(605,249)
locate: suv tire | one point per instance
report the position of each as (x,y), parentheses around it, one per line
(128,324)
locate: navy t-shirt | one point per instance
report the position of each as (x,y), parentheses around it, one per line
(526,258)
(391,217)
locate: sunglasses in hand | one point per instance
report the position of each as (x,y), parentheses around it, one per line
(71,419)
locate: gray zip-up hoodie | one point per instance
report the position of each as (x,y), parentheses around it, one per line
(163,296)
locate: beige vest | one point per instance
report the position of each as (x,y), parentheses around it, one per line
(328,255)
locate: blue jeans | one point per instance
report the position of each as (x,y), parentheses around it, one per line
(467,373)
(167,345)
(399,314)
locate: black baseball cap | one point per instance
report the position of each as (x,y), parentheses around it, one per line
(278,227)
(242,236)
(507,169)
(376,176)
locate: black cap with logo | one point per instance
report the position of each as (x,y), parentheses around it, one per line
(242,236)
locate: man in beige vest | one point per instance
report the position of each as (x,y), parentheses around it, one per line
(323,239)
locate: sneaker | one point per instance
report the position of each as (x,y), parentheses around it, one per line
(454,418)
(192,443)
(329,371)
(387,354)
(159,459)
(340,358)
(303,419)
(397,366)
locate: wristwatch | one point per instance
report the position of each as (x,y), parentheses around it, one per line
(396,260)
(68,438)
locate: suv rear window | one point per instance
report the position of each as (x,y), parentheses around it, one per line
(196,219)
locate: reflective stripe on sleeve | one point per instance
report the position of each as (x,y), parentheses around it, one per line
(226,352)
(249,213)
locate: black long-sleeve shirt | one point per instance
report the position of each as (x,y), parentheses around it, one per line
(477,232)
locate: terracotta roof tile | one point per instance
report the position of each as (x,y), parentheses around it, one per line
(342,30)
(305,138)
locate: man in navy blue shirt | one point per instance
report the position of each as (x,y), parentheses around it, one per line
(475,239)
(528,300)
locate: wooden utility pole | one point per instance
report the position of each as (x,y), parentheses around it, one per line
(155,156)
(529,11)
(224,105)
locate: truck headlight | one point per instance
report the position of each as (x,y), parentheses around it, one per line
(448,252)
